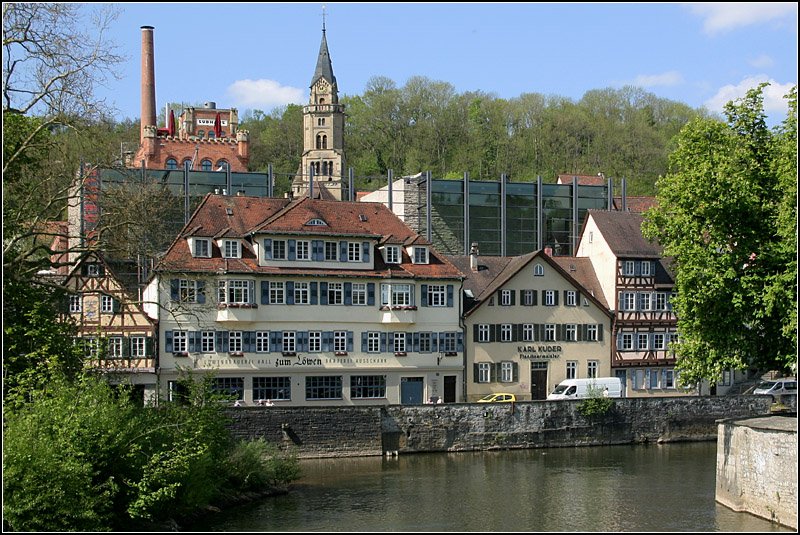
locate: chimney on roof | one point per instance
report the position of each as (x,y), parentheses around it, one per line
(548,251)
(473,256)
(148,117)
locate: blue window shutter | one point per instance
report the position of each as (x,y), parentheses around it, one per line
(343,251)
(619,341)
(201,292)
(248,341)
(348,293)
(370,293)
(434,343)
(460,342)
(317,253)
(173,289)
(409,342)
(349,341)
(168,341)
(441,340)
(251,292)
(264,292)
(225,338)
(323,293)
(365,251)
(292,249)
(302,341)
(637,268)
(313,292)
(290,293)
(450,295)
(274,341)
(327,336)
(424,295)
(363,342)
(193,340)
(383,342)
(267,249)
(415,343)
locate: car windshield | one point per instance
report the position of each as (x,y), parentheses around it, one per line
(488,397)
(766,385)
(560,389)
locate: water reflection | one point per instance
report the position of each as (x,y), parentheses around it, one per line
(615,488)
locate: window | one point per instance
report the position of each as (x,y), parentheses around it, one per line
(653,378)
(661,301)
(353,251)
(572,298)
(669,378)
(235,342)
(93,270)
(506,372)
(420,255)
(314,341)
(75,303)
(340,341)
(91,346)
(646,269)
(277,293)
(591,333)
(262,345)
(303,250)
(367,386)
(645,301)
(629,268)
(449,343)
(115,347)
(572,369)
(324,387)
(279,249)
(359,293)
(335,293)
(399,345)
(235,291)
(436,295)
(484,372)
(628,301)
(641,341)
(201,134)
(527,332)
(550,297)
(331,252)
(301,293)
(316,222)
(207,342)
(659,341)
(505,332)
(571,332)
(205,165)
(392,254)
(591,369)
(230,386)
(505,297)
(538,270)
(528,297)
(272,388)
(626,343)
(187,291)
(396,295)
(222,165)
(138,346)
(483,333)
(172,163)
(288,342)
(373,342)
(231,249)
(425,342)
(549,332)
(180,341)
(202,248)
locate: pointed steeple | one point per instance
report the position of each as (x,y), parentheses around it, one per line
(324,68)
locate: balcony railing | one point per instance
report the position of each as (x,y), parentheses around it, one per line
(235,312)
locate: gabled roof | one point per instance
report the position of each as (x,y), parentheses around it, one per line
(583,180)
(623,233)
(582,270)
(635,204)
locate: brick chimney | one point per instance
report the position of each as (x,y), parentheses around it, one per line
(548,251)
(243,144)
(148,81)
(473,257)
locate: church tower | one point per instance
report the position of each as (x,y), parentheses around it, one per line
(323,136)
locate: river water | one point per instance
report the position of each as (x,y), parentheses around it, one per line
(667,487)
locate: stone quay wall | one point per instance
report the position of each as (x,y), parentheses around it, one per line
(757,467)
(400,429)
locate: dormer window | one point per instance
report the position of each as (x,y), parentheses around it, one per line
(231,249)
(420,255)
(316,222)
(202,248)
(391,254)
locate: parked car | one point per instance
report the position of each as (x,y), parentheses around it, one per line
(500,397)
(777,387)
(584,388)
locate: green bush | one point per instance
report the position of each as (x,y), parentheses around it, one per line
(595,405)
(257,464)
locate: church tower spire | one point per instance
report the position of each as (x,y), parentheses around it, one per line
(323,134)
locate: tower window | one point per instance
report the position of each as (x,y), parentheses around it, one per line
(172,163)
(205,165)
(322,100)
(321,121)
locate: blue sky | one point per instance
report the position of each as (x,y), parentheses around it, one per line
(262,55)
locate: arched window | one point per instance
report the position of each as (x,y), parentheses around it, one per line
(319,141)
(187,163)
(321,101)
(201,134)
(330,168)
(210,134)
(222,165)
(316,167)
(205,165)
(325,168)
(324,142)
(321,121)
(172,163)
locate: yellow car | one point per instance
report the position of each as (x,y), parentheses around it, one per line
(498,398)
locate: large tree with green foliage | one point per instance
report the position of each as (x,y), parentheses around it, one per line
(727,216)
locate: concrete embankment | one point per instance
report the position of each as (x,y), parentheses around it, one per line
(401,429)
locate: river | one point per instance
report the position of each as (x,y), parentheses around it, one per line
(667,487)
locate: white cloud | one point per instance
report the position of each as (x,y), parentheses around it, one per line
(761,62)
(263,94)
(663,79)
(722,17)
(773,94)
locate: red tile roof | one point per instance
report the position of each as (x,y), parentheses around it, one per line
(635,204)
(583,180)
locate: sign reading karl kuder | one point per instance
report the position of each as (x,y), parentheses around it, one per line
(539,352)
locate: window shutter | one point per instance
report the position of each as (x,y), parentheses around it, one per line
(363,342)
(460,342)
(316,250)
(222,341)
(409,342)
(565,297)
(274,340)
(313,286)
(348,293)
(116,305)
(323,293)
(343,251)
(424,295)
(494,372)
(555,296)
(619,341)
(327,337)
(168,341)
(365,251)
(267,249)
(441,341)
(193,340)
(620,301)
(637,268)
(540,332)
(475,335)
(514,372)
(126,347)
(415,343)
(173,289)
(301,339)
(370,293)
(434,343)
(493,332)
(383,342)
(290,292)
(201,292)
(599,332)
(264,292)
(475,372)
(513,296)
(349,341)
(391,342)
(149,347)
(583,331)
(450,295)
(292,249)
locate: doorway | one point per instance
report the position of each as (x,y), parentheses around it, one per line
(538,380)
(411,390)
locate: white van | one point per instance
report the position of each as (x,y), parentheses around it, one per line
(584,388)
(785,385)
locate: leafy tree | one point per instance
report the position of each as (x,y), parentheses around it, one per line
(727,216)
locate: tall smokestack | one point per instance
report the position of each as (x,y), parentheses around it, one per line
(148,80)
